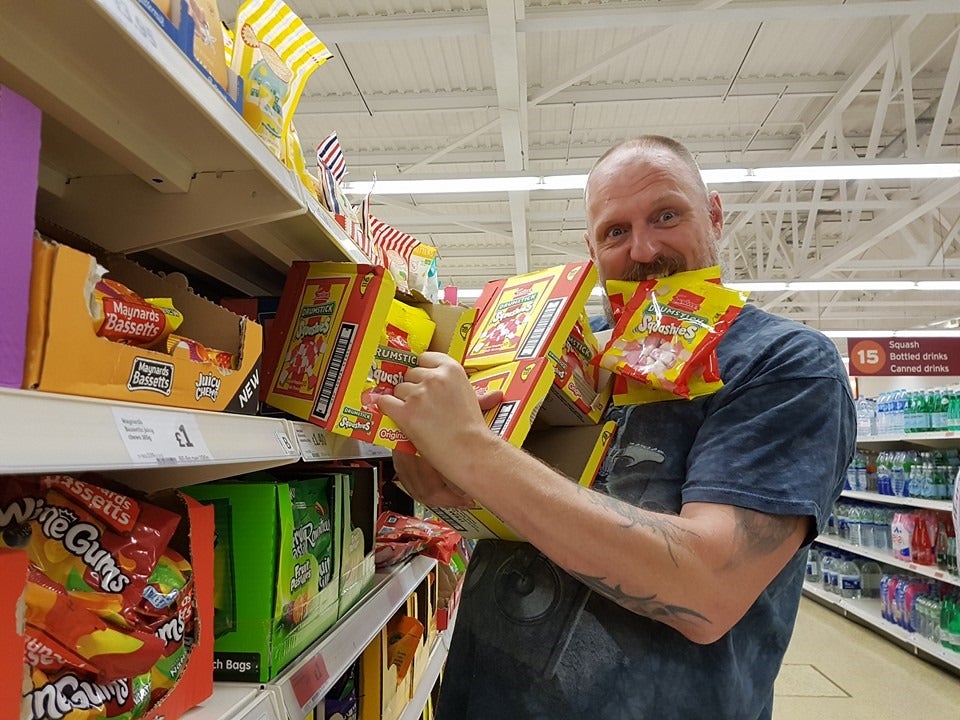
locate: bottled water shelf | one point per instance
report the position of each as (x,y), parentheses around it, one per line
(867,612)
(888,559)
(940,439)
(942,505)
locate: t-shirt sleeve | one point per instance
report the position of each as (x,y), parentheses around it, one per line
(779,436)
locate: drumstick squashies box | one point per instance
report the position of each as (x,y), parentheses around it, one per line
(324,339)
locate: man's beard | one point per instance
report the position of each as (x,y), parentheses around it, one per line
(661,267)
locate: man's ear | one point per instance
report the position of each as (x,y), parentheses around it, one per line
(716,211)
(586,239)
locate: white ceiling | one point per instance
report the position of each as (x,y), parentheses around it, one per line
(467,88)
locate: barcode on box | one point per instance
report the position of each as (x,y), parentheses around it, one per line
(541,330)
(334,372)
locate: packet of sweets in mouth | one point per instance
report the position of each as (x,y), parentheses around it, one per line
(668,330)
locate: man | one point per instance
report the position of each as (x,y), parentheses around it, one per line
(669,590)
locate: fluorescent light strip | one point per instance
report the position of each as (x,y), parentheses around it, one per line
(890,333)
(715,176)
(798,286)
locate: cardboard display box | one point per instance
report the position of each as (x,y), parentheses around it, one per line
(65,355)
(425,608)
(20,150)
(359,510)
(195,28)
(194,541)
(576,452)
(324,338)
(276,592)
(383,693)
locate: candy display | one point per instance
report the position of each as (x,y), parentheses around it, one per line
(119,314)
(109,606)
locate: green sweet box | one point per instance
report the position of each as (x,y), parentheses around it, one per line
(276,569)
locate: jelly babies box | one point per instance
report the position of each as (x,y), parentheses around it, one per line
(323,342)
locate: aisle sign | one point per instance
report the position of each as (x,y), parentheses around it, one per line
(162,438)
(901,356)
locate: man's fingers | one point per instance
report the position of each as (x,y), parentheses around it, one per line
(490,400)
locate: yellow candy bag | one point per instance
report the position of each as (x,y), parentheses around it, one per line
(668,331)
(274,52)
(407,334)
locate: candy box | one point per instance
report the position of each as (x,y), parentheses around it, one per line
(384,691)
(528,316)
(20,150)
(577,452)
(65,355)
(323,342)
(358,525)
(277,570)
(452,324)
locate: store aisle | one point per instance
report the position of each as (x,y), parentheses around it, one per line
(835,669)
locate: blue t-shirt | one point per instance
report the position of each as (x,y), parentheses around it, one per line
(533,642)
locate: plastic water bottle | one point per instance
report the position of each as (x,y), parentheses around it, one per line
(870,574)
(813,565)
(850,580)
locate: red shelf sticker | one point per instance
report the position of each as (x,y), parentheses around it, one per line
(308,680)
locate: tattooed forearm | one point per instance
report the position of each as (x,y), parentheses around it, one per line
(648,606)
(661,524)
(759,533)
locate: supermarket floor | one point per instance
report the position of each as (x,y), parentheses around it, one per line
(835,669)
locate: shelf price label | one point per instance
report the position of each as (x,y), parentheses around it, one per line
(313,443)
(308,683)
(161,438)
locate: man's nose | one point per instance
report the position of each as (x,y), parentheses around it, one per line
(644,248)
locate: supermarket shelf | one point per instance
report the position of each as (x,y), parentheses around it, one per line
(233,701)
(437,657)
(48,432)
(158,141)
(303,685)
(944,505)
(316,444)
(945,439)
(888,559)
(867,611)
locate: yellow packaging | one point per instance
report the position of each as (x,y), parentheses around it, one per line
(577,452)
(274,52)
(529,315)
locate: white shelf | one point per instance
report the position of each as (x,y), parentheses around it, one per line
(319,667)
(49,432)
(943,505)
(888,559)
(158,142)
(867,611)
(940,439)
(233,701)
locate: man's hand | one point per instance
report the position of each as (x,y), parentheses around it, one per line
(438,409)
(422,482)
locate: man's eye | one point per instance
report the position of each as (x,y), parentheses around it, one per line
(667,216)
(615,232)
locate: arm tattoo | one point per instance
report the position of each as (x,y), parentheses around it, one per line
(759,534)
(672,536)
(660,523)
(648,605)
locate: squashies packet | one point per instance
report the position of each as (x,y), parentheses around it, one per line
(407,334)
(667,333)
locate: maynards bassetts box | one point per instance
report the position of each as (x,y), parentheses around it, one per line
(65,354)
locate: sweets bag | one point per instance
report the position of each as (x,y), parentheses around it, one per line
(274,52)
(667,333)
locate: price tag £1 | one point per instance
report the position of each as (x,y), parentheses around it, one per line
(162,438)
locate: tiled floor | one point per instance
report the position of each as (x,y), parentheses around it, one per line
(837,670)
